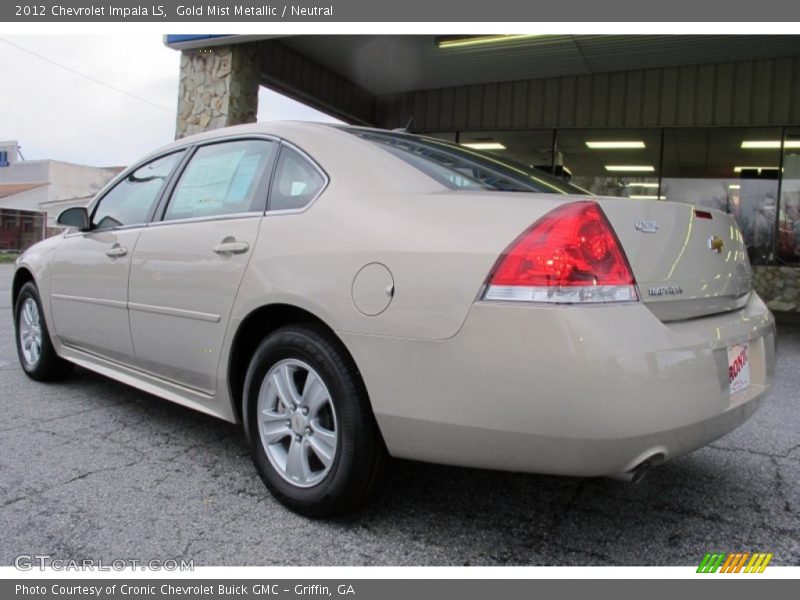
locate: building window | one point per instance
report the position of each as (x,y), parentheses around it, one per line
(611,162)
(788,247)
(735,170)
(752,173)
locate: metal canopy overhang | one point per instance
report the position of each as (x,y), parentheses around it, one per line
(533,82)
(400,63)
(390,64)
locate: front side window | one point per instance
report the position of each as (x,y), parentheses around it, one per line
(132,199)
(297,182)
(225,178)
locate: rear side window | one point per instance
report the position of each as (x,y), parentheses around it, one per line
(131,200)
(226,178)
(296,183)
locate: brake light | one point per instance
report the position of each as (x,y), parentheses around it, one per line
(570,255)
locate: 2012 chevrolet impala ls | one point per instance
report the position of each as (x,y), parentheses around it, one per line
(351,294)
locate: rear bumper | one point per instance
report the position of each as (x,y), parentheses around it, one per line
(572,390)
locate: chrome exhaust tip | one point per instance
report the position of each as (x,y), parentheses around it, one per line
(640,471)
(637,473)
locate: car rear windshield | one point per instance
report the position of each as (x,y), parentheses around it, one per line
(460,168)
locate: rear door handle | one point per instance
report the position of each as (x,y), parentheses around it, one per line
(116,251)
(231,248)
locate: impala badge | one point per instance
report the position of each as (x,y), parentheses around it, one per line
(646,226)
(665,290)
(715,244)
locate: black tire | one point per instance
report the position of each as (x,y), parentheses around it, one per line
(48,366)
(360,458)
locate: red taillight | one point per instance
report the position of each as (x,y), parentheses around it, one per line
(569,255)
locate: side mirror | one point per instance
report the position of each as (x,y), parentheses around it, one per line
(77,217)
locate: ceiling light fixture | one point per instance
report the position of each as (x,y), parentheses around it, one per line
(479,40)
(484,145)
(642,184)
(734,186)
(759,169)
(640,168)
(646,197)
(769,144)
(598,145)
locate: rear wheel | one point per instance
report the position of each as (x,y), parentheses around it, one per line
(36,353)
(315,441)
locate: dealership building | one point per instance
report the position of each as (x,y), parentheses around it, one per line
(34,192)
(709,120)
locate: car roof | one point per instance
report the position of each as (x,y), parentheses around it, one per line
(282,129)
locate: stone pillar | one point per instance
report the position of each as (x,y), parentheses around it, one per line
(779,287)
(218,87)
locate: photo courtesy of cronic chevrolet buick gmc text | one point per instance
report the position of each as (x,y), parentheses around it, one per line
(352,294)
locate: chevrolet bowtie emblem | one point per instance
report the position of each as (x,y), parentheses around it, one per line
(715,244)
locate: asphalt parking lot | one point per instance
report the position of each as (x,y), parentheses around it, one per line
(90,468)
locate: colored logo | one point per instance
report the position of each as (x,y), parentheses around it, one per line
(735,562)
(715,244)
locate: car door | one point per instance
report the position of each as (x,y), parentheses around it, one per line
(89,280)
(188,264)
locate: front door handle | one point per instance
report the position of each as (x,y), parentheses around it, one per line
(231,247)
(116,251)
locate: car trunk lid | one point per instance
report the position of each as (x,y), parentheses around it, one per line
(687,262)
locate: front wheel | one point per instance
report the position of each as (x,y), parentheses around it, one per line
(36,353)
(316,444)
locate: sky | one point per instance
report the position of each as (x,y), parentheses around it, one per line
(68,111)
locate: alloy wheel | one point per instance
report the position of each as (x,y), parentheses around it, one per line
(297,423)
(30,332)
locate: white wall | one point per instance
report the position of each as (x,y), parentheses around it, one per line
(67,185)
